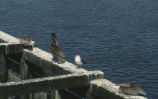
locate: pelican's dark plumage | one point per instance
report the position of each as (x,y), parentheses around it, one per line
(57,52)
(131,89)
(25,40)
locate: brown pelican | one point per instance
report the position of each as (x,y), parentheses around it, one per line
(78,60)
(57,52)
(131,89)
(25,40)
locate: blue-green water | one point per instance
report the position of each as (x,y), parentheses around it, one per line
(117,37)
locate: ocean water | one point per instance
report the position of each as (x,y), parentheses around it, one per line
(118,37)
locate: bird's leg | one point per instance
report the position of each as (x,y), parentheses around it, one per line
(78,67)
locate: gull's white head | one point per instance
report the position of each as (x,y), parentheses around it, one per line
(77,57)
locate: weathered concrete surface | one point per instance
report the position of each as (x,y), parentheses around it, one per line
(3,68)
(10,48)
(102,88)
(13,77)
(49,83)
(108,90)
(43,59)
(40,95)
(6,38)
(23,69)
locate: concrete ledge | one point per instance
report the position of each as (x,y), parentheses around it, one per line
(105,89)
(49,83)
(6,38)
(10,48)
(44,60)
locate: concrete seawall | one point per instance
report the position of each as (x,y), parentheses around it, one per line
(98,89)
